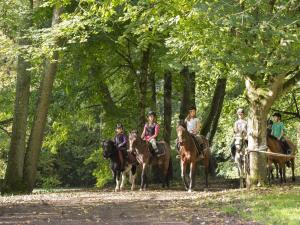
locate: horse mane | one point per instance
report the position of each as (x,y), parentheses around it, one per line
(272,136)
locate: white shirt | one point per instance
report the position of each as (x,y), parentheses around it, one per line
(192,124)
(240,126)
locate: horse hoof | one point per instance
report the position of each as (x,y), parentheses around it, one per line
(190,191)
(141,189)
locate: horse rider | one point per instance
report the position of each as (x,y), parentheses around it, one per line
(121,144)
(193,126)
(278,132)
(151,131)
(239,129)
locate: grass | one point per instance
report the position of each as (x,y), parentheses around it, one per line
(270,206)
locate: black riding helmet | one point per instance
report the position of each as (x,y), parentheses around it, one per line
(119,126)
(192,107)
(277,114)
(151,113)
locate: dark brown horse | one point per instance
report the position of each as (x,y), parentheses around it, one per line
(279,161)
(145,157)
(189,156)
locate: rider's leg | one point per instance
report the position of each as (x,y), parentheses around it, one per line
(154,145)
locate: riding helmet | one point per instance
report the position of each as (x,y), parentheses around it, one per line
(151,113)
(277,114)
(240,111)
(119,126)
(192,107)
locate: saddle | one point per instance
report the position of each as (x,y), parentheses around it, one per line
(160,147)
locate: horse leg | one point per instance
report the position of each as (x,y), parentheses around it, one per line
(280,172)
(143,177)
(183,174)
(206,170)
(118,175)
(293,169)
(193,167)
(165,178)
(283,172)
(132,176)
(123,182)
(277,170)
(270,172)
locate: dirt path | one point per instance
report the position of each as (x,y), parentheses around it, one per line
(174,207)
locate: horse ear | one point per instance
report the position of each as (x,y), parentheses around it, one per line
(181,123)
(134,132)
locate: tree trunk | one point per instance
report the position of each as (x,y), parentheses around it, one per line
(14,172)
(153,91)
(40,120)
(142,84)
(210,124)
(188,93)
(192,81)
(167,106)
(257,126)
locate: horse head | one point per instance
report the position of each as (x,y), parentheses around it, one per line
(108,148)
(181,134)
(133,137)
(239,142)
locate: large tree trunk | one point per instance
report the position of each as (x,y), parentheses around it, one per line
(210,123)
(188,92)
(40,119)
(260,103)
(257,125)
(153,91)
(167,106)
(14,172)
(142,88)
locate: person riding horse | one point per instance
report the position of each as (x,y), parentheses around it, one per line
(193,126)
(278,132)
(239,129)
(150,132)
(121,144)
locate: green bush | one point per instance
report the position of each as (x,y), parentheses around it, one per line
(50,182)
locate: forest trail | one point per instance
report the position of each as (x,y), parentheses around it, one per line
(90,206)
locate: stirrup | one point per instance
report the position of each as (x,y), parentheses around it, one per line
(178,157)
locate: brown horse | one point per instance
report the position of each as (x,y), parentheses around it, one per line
(145,157)
(189,156)
(279,161)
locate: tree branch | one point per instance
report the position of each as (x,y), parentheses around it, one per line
(293,80)
(6,131)
(3,122)
(296,115)
(295,102)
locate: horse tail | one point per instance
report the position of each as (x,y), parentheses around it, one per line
(170,169)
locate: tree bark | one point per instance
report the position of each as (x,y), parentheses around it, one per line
(210,123)
(188,92)
(260,104)
(257,141)
(14,172)
(142,84)
(37,133)
(153,91)
(167,106)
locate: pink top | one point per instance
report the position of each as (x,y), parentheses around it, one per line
(156,130)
